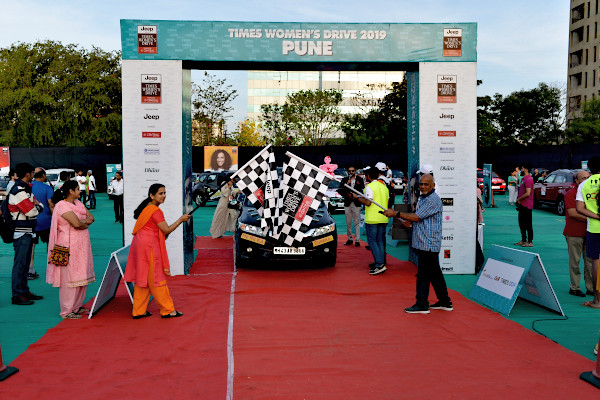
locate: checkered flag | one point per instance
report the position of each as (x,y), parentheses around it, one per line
(251,178)
(303,188)
(271,214)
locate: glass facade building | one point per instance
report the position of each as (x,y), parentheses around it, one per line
(271,87)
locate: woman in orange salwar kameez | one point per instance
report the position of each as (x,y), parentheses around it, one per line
(148,262)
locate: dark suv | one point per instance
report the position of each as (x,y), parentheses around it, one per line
(551,191)
(208,186)
(254,248)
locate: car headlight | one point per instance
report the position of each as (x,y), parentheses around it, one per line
(323,230)
(255,230)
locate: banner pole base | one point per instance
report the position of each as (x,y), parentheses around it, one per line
(590,378)
(6,371)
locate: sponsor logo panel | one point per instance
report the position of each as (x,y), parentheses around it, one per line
(452,42)
(446,89)
(154,135)
(147,39)
(151,89)
(446,133)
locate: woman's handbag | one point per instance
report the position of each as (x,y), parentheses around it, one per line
(59,256)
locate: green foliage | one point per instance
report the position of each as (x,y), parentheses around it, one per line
(248,134)
(586,129)
(487,132)
(277,123)
(57,95)
(211,103)
(308,117)
(384,124)
(523,117)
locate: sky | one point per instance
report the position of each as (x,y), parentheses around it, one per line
(519,44)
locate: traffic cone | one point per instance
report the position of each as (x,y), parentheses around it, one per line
(6,371)
(593,377)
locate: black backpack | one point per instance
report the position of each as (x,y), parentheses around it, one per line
(7,225)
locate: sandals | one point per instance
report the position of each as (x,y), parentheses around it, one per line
(71,315)
(144,315)
(521,243)
(527,244)
(177,314)
(82,310)
(590,305)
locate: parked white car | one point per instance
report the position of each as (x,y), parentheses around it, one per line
(53,175)
(333,200)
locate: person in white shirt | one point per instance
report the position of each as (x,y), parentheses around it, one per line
(91,189)
(82,181)
(115,189)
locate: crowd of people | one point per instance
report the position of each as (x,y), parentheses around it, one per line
(60,218)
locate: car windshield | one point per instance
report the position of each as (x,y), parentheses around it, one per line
(397,173)
(334,185)
(341,171)
(52,177)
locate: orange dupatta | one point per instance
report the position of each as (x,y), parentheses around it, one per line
(142,220)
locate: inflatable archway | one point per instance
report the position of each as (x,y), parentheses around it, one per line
(440,61)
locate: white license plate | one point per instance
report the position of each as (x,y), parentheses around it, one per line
(289,250)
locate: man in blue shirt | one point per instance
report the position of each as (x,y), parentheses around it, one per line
(43,193)
(427,242)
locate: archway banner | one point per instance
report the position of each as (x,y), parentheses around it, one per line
(297,41)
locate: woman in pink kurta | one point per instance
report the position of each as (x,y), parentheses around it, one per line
(69,228)
(148,262)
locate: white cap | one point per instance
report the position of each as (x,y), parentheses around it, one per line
(380,166)
(426,169)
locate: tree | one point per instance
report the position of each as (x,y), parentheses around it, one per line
(211,103)
(308,117)
(487,131)
(315,115)
(586,129)
(59,95)
(385,124)
(248,134)
(530,116)
(277,122)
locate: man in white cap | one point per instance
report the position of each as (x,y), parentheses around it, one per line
(382,172)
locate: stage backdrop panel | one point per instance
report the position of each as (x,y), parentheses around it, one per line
(153,142)
(448,142)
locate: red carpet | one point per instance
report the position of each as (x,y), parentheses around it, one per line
(335,333)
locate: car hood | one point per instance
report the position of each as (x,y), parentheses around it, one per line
(250,216)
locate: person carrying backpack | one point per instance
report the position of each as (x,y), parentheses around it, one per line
(23,209)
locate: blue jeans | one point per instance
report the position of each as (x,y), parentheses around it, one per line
(92,198)
(376,240)
(22,248)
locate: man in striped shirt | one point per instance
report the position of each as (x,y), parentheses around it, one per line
(24,209)
(427,242)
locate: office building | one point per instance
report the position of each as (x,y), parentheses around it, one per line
(584,73)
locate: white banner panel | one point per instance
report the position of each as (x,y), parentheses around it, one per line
(448,141)
(500,278)
(152,143)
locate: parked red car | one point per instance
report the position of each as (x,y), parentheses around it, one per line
(498,184)
(551,191)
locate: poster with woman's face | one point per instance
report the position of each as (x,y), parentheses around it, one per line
(220,158)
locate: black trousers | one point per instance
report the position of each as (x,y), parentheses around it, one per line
(430,273)
(118,207)
(526,224)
